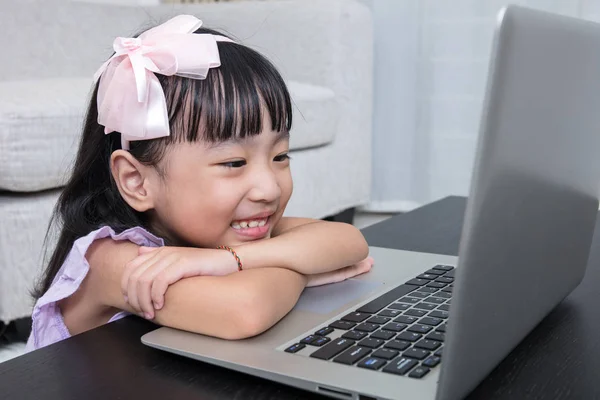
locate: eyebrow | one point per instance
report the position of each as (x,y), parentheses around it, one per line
(281,135)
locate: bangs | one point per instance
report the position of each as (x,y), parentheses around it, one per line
(231,102)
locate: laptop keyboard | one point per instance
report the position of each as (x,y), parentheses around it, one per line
(401,332)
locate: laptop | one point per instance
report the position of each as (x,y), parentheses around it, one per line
(429,326)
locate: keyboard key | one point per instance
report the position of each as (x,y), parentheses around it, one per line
(425,306)
(400,306)
(442,295)
(378,320)
(441,328)
(435,300)
(354,335)
(371,363)
(444,267)
(295,348)
(405,319)
(431,361)
(320,341)
(352,355)
(420,328)
(427,276)
(450,274)
(400,366)
(437,336)
(389,313)
(356,317)
(394,326)
(385,354)
(434,271)
(371,343)
(447,290)
(309,339)
(428,344)
(438,353)
(428,289)
(366,327)
(420,295)
(385,335)
(400,345)
(409,300)
(445,279)
(436,285)
(344,325)
(415,313)
(417,282)
(417,354)
(439,314)
(444,307)
(324,331)
(332,349)
(409,336)
(419,372)
(378,304)
(431,321)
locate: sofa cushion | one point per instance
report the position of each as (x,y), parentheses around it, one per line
(41,120)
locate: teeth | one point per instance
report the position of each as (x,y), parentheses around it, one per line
(248,224)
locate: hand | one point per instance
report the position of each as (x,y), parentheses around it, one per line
(146,278)
(342,274)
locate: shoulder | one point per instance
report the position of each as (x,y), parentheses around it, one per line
(107,256)
(105,253)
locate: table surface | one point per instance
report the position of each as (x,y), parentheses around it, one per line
(560,358)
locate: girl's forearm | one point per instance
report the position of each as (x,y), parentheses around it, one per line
(236,306)
(308,249)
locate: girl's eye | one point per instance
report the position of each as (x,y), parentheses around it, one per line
(282,157)
(234,164)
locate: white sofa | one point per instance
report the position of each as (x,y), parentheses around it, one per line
(51,48)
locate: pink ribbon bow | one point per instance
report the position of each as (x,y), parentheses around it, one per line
(130,98)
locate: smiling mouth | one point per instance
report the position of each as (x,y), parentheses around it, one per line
(253,229)
(249,223)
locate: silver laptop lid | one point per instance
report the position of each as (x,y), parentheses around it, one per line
(533,202)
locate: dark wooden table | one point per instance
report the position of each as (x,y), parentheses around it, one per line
(559,359)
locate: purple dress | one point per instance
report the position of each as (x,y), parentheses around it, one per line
(48,325)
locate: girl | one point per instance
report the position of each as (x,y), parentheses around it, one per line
(174,207)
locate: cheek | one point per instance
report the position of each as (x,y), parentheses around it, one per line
(201,215)
(287,187)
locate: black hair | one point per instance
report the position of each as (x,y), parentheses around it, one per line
(228,104)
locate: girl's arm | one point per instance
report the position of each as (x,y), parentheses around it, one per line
(234,306)
(306,246)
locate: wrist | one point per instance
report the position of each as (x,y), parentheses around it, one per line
(231,258)
(261,254)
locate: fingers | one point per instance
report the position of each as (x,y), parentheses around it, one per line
(131,266)
(162,281)
(143,279)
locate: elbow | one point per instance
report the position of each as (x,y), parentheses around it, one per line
(360,243)
(252,317)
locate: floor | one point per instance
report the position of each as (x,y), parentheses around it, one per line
(361,220)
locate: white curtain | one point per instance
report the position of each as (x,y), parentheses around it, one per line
(431,60)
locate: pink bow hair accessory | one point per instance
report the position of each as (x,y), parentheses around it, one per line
(130,98)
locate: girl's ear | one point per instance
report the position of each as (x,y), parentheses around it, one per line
(134,180)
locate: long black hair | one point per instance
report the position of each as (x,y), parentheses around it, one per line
(225,105)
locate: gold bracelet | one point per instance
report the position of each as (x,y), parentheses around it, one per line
(239,262)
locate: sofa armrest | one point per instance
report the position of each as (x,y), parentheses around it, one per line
(40,124)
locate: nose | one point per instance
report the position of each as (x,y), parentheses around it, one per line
(265,185)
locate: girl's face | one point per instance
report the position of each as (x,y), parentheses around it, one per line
(223,194)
